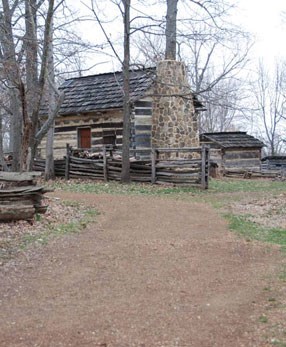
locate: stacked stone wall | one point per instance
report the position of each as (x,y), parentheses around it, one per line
(174,121)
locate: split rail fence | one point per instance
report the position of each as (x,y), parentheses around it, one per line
(181,166)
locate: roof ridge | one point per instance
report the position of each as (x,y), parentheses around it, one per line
(225,132)
(110,73)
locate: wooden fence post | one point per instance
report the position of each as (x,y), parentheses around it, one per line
(67,166)
(153,165)
(208,165)
(203,167)
(105,169)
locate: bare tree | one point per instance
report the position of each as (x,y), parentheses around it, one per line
(52,104)
(270,105)
(19,46)
(215,52)
(223,107)
(5,114)
(171,30)
(12,78)
(125,173)
(2,160)
(25,35)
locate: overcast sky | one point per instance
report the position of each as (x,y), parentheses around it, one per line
(263,19)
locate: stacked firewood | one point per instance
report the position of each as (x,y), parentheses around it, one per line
(20,197)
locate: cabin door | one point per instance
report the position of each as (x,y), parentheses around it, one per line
(84,138)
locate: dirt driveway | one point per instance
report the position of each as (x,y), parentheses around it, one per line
(151,272)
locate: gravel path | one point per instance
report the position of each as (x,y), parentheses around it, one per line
(150,272)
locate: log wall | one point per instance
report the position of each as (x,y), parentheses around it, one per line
(142,127)
(100,123)
(243,159)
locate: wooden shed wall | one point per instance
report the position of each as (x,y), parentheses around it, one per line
(241,158)
(234,158)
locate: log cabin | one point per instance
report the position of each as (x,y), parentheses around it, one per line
(164,110)
(233,151)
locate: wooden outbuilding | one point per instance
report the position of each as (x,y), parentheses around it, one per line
(233,152)
(91,114)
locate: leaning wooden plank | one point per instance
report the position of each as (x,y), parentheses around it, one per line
(140,179)
(84,160)
(177,174)
(81,173)
(194,183)
(141,171)
(15,200)
(88,168)
(13,190)
(166,166)
(16,212)
(140,166)
(28,194)
(181,170)
(179,161)
(114,168)
(19,176)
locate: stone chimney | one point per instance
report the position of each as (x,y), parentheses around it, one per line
(174,121)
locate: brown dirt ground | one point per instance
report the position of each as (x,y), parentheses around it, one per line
(150,272)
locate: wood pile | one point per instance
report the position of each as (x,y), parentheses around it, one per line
(20,198)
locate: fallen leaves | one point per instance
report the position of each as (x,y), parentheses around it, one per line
(13,235)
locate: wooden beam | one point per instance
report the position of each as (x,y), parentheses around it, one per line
(19,176)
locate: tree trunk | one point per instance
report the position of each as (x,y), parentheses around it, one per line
(171,28)
(11,72)
(31,92)
(125,174)
(16,131)
(2,160)
(49,167)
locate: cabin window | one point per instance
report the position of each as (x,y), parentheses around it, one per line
(109,137)
(84,137)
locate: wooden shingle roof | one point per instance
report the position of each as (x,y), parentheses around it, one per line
(234,139)
(103,91)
